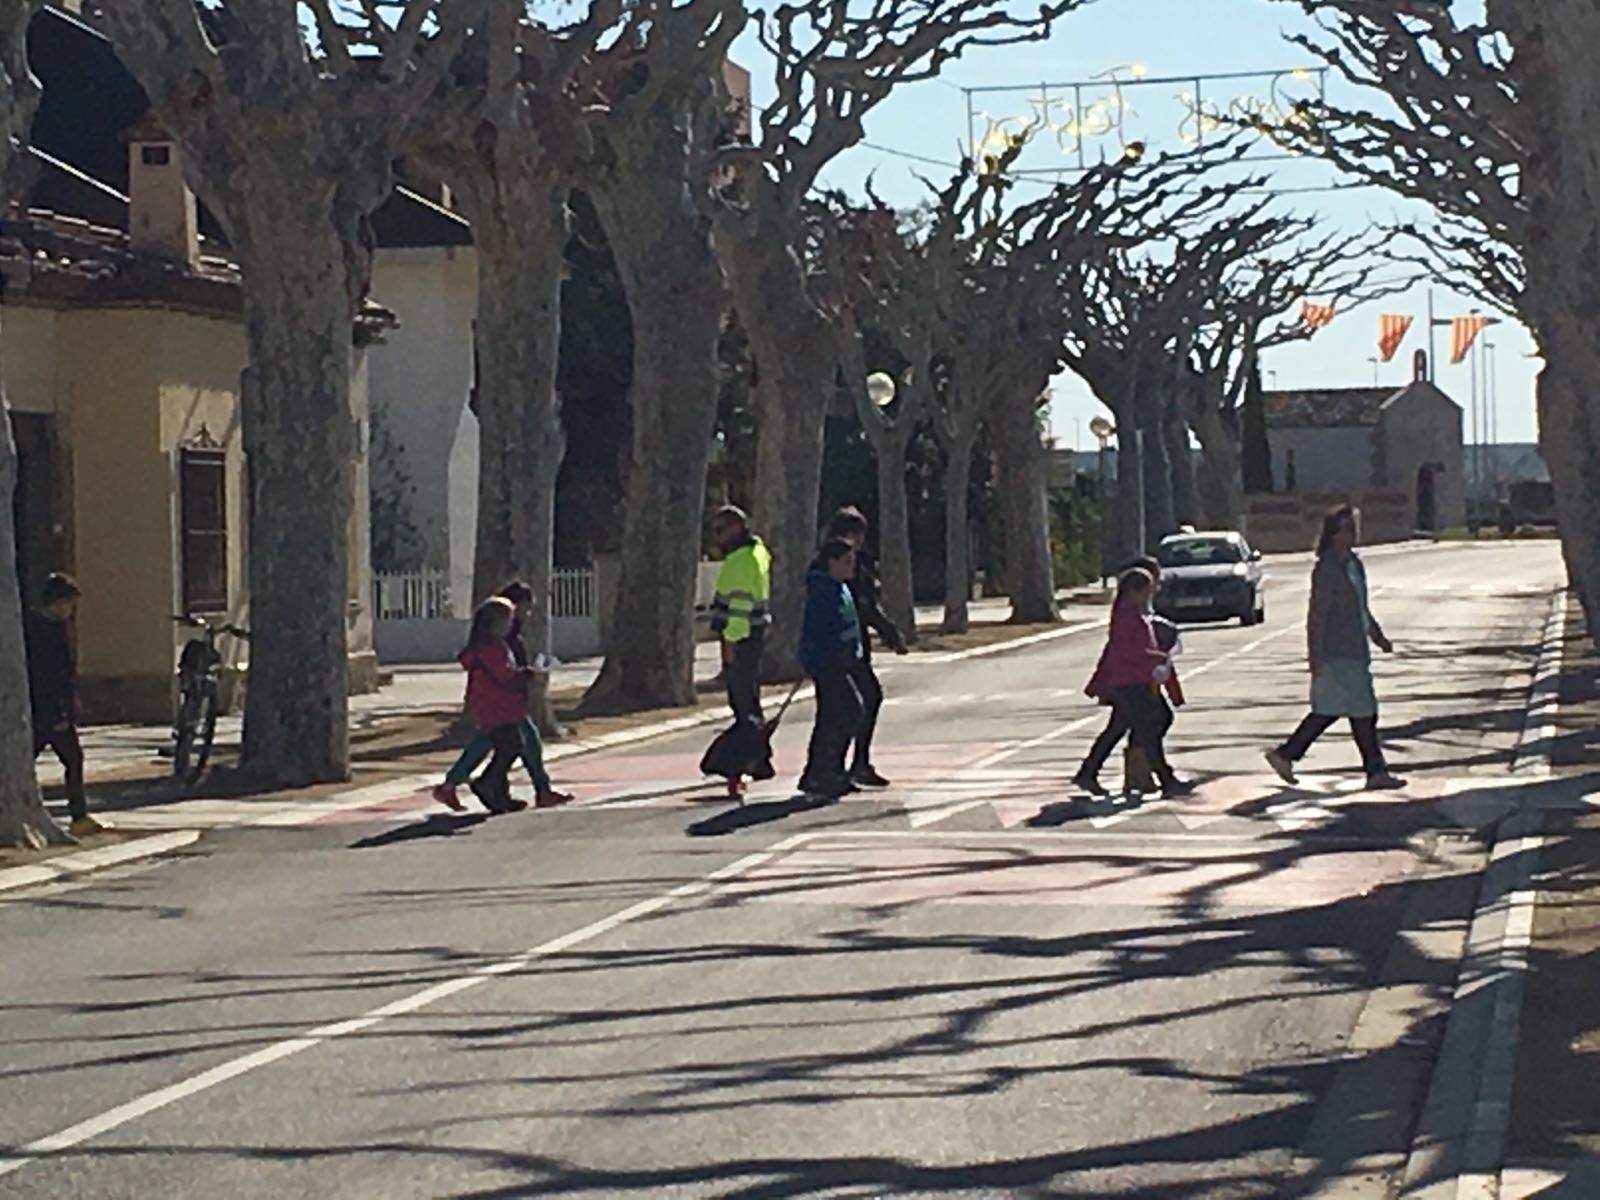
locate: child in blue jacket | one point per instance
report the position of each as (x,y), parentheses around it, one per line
(830,648)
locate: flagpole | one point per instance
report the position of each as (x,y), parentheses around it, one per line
(1477,458)
(1432,348)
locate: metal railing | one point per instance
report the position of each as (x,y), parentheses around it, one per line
(425,595)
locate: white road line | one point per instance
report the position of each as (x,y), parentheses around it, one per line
(140,1106)
(1538,738)
(1049,635)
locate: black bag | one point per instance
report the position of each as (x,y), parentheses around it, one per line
(744,748)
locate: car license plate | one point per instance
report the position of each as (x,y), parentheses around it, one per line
(1194,602)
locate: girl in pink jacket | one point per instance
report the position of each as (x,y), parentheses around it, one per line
(1131,669)
(496,699)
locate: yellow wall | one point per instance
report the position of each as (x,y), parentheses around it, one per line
(28,354)
(133,384)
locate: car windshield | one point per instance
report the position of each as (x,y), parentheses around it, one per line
(1199,552)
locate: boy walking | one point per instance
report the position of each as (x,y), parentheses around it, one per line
(52,687)
(830,652)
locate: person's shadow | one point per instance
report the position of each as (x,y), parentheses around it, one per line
(748,816)
(435,825)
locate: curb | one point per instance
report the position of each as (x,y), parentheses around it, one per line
(66,865)
(1459,1145)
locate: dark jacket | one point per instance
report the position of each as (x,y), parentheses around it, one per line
(830,633)
(52,670)
(1336,625)
(866,591)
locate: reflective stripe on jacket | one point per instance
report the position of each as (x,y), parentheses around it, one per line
(744,589)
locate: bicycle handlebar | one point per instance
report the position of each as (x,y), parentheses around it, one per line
(202,623)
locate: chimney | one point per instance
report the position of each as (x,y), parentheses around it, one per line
(161,208)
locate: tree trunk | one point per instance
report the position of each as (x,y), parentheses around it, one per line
(300,443)
(796,375)
(1158,508)
(1022,475)
(1128,524)
(676,302)
(520,436)
(1569,440)
(957,535)
(23,819)
(894,532)
(1185,493)
(1221,480)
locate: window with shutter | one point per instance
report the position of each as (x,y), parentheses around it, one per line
(203,502)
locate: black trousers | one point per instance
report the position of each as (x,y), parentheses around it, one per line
(69,750)
(1142,712)
(1315,725)
(742,674)
(493,787)
(871,692)
(839,710)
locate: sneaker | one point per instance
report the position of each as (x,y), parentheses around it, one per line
(1284,768)
(1085,782)
(446,795)
(513,804)
(868,777)
(1178,789)
(550,798)
(85,827)
(1384,781)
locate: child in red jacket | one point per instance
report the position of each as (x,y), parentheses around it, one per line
(1131,668)
(496,700)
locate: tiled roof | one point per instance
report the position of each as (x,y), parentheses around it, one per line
(1325,408)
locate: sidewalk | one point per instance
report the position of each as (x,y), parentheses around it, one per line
(1553,1138)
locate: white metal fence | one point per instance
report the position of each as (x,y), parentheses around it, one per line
(573,592)
(414,596)
(425,595)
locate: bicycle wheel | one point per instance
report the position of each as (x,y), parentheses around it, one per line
(208,729)
(186,730)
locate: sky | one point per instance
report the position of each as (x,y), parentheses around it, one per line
(1180,38)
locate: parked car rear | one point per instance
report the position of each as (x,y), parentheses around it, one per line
(1210,576)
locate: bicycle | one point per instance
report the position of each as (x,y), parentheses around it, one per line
(199,696)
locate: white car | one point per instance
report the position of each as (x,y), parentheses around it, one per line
(1210,576)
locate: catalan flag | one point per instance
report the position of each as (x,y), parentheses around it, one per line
(1463,332)
(1392,330)
(1316,315)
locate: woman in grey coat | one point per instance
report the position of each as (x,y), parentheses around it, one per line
(1339,629)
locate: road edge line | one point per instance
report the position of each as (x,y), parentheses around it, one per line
(66,866)
(1458,1148)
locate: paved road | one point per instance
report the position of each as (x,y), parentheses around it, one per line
(969,986)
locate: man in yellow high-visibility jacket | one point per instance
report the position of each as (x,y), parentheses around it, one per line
(740,614)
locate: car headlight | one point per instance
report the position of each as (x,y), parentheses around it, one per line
(1240,571)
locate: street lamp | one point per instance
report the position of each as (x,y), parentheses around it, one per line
(880,389)
(1104,431)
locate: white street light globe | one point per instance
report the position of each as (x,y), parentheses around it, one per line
(880,389)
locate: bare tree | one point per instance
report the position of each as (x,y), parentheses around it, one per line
(662,112)
(889,272)
(1252,271)
(288,135)
(1497,126)
(23,819)
(507,132)
(833,62)
(1125,312)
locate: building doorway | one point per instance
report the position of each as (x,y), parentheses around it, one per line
(1427,498)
